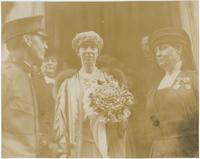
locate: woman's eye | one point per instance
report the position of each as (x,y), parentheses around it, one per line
(85,47)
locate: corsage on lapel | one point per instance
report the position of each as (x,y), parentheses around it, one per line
(182,81)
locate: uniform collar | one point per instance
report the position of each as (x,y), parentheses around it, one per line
(22,64)
(27,67)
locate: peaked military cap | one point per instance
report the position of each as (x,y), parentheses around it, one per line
(23,26)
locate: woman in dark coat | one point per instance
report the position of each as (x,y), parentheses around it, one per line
(172,103)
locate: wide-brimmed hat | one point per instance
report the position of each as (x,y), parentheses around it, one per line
(169,35)
(23,26)
(174,36)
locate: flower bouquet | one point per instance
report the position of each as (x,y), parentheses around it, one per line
(111,101)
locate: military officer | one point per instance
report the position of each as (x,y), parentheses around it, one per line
(25,40)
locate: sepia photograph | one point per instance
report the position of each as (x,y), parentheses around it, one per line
(100,79)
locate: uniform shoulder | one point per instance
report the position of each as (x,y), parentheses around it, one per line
(12,70)
(9,66)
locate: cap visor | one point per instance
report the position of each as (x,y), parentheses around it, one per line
(42,33)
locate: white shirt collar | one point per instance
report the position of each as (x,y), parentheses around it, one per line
(169,79)
(177,68)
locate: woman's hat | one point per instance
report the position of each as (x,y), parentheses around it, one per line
(169,35)
(172,35)
(23,26)
(90,36)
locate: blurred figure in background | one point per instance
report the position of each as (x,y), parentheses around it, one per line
(149,65)
(143,82)
(49,68)
(44,91)
(145,47)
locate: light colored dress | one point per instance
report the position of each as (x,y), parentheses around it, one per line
(84,137)
(173,115)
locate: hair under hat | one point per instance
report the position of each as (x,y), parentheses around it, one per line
(87,36)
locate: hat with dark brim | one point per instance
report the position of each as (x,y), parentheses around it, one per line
(169,35)
(23,26)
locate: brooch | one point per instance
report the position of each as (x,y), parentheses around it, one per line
(182,81)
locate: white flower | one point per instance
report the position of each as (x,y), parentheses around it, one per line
(176,86)
(109,100)
(186,79)
(126,113)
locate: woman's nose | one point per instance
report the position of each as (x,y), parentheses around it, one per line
(90,54)
(89,49)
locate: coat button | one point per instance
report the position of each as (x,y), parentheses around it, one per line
(155,121)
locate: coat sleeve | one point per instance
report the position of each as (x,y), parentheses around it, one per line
(60,120)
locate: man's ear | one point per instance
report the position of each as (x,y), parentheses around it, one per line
(27,39)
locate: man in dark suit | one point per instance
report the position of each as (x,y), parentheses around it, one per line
(25,41)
